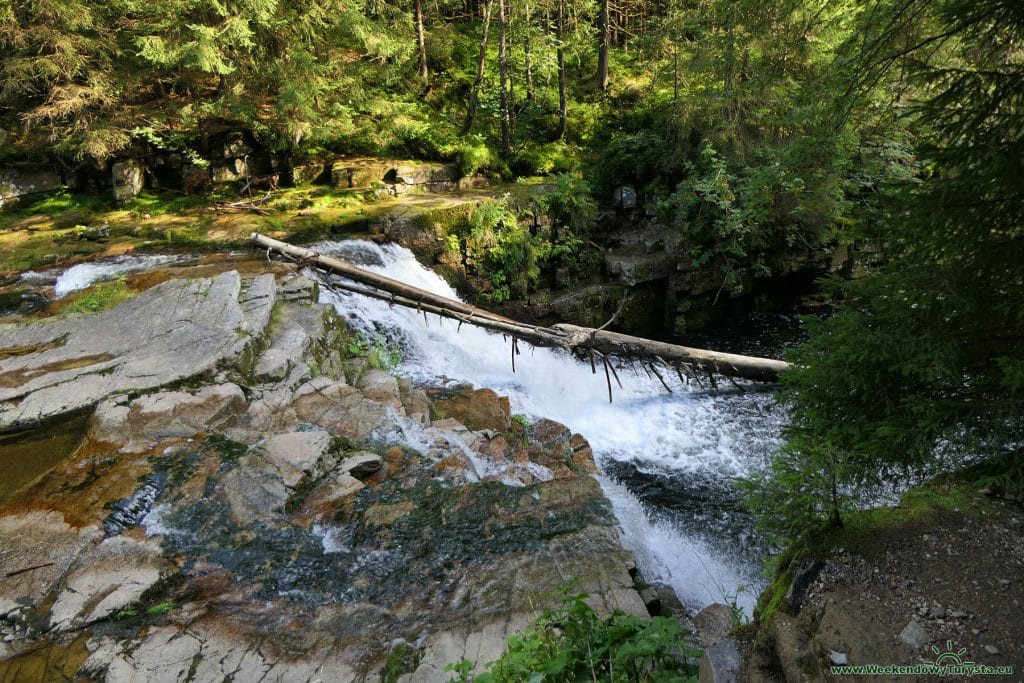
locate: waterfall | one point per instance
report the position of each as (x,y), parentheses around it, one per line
(666,460)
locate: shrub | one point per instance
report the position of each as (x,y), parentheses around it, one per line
(571,642)
(473,155)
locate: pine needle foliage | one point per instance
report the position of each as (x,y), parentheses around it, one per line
(922,369)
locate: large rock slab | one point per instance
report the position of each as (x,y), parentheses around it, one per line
(38,548)
(299,454)
(138,425)
(112,576)
(173,331)
(207,651)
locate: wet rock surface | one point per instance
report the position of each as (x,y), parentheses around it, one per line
(287,525)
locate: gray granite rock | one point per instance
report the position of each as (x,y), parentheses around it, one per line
(721,663)
(173,331)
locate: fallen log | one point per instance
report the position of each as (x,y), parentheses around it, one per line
(728,364)
(339,267)
(581,341)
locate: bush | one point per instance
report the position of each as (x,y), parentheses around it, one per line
(571,204)
(573,643)
(546,159)
(473,155)
(501,250)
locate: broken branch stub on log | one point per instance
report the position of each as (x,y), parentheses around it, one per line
(578,340)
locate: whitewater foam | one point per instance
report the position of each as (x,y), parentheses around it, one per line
(716,434)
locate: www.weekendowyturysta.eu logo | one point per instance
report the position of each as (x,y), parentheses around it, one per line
(952,661)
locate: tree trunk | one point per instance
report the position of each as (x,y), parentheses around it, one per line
(506,133)
(421,41)
(528,63)
(729,63)
(602,47)
(581,341)
(481,63)
(563,103)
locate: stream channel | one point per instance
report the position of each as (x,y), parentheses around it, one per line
(667,461)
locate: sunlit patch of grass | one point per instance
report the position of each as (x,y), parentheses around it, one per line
(162,203)
(98,298)
(61,201)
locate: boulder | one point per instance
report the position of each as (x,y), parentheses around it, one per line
(712,623)
(173,331)
(332,491)
(387,514)
(299,288)
(255,490)
(550,445)
(721,663)
(631,268)
(23,180)
(230,171)
(378,385)
(422,174)
(339,408)
(305,174)
(358,173)
(128,180)
(138,425)
(208,650)
(297,455)
(414,400)
(362,464)
(273,365)
(624,197)
(480,409)
(914,635)
(32,541)
(112,576)
(582,454)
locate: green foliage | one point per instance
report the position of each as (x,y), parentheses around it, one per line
(379,353)
(571,642)
(161,608)
(546,159)
(501,249)
(919,371)
(402,659)
(473,155)
(571,204)
(62,201)
(99,298)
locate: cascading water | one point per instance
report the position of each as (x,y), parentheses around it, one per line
(82,275)
(667,460)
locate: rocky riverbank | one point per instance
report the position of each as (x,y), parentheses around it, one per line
(251,502)
(936,580)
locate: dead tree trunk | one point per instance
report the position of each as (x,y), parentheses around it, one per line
(503,87)
(421,43)
(481,63)
(581,341)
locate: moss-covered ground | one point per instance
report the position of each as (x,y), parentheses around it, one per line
(64,227)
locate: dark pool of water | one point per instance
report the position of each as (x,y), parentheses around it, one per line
(26,456)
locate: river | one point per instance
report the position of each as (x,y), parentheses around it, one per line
(667,460)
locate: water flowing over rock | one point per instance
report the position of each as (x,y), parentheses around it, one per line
(287,525)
